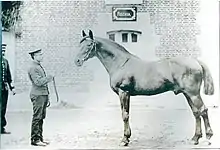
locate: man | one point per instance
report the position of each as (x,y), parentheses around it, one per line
(39,96)
(6,83)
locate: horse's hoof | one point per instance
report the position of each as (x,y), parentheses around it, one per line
(209,143)
(195,139)
(209,135)
(124,142)
(195,142)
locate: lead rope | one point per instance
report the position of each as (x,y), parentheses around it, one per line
(55,89)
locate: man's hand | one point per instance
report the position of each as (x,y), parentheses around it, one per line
(50,78)
(13,91)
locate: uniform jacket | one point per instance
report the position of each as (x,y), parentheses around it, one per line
(6,75)
(38,79)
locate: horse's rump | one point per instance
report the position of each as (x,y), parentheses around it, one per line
(188,74)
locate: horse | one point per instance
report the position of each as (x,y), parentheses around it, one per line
(131,76)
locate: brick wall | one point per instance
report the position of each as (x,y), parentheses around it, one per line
(175,23)
(56,28)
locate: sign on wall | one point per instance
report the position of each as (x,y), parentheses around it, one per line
(124,13)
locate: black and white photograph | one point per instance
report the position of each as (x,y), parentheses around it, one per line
(110,74)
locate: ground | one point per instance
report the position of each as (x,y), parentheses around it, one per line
(94,121)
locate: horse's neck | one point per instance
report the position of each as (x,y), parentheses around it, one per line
(111,57)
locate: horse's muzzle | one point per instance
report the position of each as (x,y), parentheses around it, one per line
(78,62)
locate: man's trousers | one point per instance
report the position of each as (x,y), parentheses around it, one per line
(3,108)
(39,113)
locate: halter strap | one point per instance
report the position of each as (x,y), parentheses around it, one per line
(83,39)
(93,41)
(93,47)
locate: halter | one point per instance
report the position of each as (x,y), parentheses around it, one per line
(91,49)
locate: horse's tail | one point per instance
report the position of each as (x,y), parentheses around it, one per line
(208,80)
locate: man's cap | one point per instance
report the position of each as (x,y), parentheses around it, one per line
(34,51)
(4,47)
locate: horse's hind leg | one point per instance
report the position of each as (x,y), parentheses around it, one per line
(196,104)
(209,132)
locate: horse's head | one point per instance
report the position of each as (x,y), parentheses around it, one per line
(87,48)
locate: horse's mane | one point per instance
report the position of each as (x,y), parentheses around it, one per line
(110,42)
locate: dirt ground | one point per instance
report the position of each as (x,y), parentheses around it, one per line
(91,121)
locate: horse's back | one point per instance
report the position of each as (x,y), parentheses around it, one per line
(185,63)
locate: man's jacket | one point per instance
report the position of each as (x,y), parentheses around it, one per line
(38,79)
(6,75)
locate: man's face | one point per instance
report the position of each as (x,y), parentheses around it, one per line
(38,56)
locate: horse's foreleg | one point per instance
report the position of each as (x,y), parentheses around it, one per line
(125,106)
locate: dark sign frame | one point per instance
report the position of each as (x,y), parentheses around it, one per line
(127,13)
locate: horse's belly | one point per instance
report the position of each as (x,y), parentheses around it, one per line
(149,92)
(152,88)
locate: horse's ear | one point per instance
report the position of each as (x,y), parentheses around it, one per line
(90,34)
(83,33)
